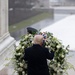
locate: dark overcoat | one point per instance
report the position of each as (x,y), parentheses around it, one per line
(36,57)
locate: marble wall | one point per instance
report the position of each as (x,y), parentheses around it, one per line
(7,43)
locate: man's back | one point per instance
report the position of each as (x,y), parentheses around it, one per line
(36,57)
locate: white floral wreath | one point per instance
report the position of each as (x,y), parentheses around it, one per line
(57,66)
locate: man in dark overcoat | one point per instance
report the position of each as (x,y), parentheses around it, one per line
(36,57)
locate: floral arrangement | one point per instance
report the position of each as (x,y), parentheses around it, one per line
(57,66)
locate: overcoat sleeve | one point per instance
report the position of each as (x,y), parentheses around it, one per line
(49,55)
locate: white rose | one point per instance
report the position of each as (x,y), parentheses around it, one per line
(58,46)
(18,47)
(26,37)
(46,43)
(46,46)
(25,42)
(62,56)
(21,64)
(66,51)
(22,47)
(58,64)
(19,54)
(23,73)
(20,69)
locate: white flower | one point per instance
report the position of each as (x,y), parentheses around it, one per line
(22,47)
(58,64)
(26,37)
(25,42)
(21,64)
(58,46)
(18,47)
(20,69)
(23,72)
(66,51)
(48,46)
(19,54)
(62,56)
(29,35)
(57,71)
(46,43)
